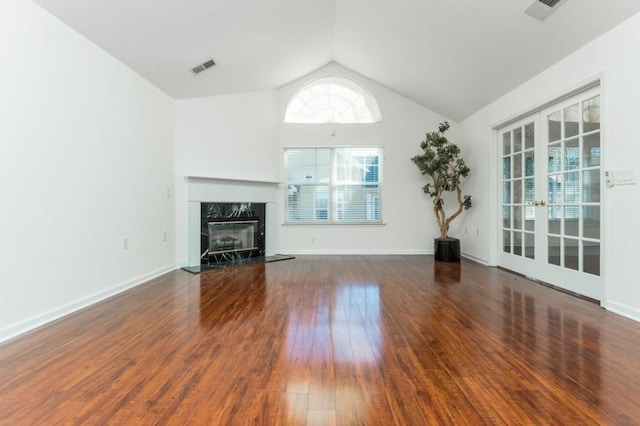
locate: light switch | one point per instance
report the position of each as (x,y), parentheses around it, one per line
(624,177)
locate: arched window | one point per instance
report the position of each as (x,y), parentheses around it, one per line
(333,100)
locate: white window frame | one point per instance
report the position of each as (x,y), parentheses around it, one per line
(334,211)
(333,99)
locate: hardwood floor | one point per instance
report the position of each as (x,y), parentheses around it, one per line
(345,340)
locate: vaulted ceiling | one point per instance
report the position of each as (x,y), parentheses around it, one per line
(452,56)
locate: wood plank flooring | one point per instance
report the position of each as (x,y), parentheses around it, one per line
(329,340)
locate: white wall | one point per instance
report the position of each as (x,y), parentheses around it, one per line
(86,158)
(232,137)
(613,56)
(241,136)
(409,222)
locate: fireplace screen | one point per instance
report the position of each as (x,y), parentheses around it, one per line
(227,237)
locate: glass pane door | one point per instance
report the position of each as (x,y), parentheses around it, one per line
(518,190)
(573,186)
(550,195)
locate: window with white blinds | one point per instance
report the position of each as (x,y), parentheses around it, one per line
(333,185)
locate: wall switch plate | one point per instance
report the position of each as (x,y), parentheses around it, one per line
(625,177)
(125,243)
(620,177)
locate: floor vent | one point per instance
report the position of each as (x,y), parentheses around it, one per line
(541,9)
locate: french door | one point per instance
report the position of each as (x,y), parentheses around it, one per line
(550,201)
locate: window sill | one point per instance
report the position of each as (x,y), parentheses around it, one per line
(334,223)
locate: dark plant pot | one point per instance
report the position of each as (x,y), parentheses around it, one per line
(447,250)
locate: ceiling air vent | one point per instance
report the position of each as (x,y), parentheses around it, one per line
(540,9)
(203,66)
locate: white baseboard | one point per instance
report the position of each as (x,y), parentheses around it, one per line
(40,320)
(374,252)
(294,252)
(475,259)
(624,310)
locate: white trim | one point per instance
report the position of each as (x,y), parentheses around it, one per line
(333,184)
(624,310)
(328,223)
(591,88)
(495,189)
(231,180)
(406,252)
(364,93)
(285,147)
(40,320)
(295,252)
(475,259)
(590,83)
(605,227)
(220,190)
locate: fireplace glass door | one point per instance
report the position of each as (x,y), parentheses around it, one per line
(229,237)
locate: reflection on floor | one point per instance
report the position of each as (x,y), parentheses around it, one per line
(345,340)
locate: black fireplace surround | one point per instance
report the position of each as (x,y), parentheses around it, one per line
(231,232)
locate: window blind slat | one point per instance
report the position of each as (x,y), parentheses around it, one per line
(333,184)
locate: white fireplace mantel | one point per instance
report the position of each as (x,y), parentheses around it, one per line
(202,189)
(231,180)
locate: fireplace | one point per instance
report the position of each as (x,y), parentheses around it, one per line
(232,237)
(213,199)
(231,232)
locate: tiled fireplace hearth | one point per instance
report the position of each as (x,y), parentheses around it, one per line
(230,220)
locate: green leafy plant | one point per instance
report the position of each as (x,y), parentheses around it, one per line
(440,161)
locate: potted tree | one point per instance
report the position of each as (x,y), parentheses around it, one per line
(441,163)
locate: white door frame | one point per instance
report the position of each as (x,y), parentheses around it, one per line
(495,179)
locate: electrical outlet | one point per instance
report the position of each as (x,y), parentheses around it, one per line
(125,243)
(164,236)
(477,232)
(466,229)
